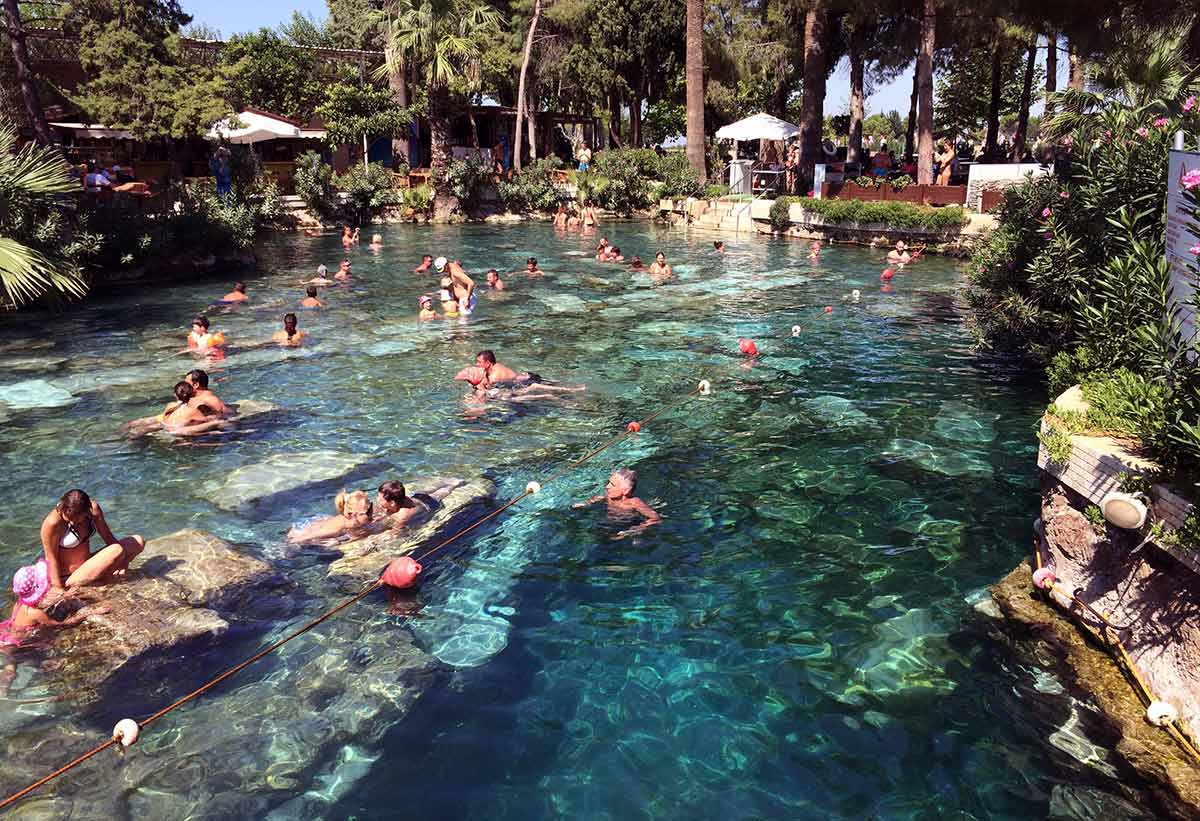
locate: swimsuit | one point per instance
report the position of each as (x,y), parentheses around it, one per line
(73,538)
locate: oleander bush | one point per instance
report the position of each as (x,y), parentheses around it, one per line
(533,188)
(901,215)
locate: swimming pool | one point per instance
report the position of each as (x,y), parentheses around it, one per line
(796,639)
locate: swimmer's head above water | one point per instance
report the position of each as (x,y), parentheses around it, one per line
(391,497)
(622,483)
(184,391)
(355,506)
(492,276)
(197,378)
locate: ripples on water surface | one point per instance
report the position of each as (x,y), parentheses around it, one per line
(792,641)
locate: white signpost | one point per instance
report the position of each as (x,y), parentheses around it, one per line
(1180,239)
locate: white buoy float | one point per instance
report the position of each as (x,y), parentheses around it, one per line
(533,487)
(705,387)
(126,732)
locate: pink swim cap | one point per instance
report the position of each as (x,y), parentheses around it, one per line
(31,583)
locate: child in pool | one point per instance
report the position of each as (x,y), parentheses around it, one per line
(30,585)
(622,504)
(201,339)
(427,311)
(814,250)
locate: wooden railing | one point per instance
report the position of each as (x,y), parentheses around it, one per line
(915,194)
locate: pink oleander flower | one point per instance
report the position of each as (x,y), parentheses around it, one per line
(1143,132)
(1161,122)
(1045,212)
(1063,195)
(1189,103)
(1048,235)
(1195,249)
(1191,179)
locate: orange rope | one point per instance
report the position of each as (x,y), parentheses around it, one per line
(328,614)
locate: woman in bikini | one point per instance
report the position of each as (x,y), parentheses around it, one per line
(67,532)
(354,513)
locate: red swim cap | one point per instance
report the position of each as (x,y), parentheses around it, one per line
(748,347)
(888,273)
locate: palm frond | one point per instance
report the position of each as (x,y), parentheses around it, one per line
(26,274)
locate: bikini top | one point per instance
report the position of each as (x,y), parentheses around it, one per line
(73,538)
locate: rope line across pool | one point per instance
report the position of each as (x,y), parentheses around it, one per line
(702,389)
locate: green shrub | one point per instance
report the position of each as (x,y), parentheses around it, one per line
(678,178)
(620,179)
(1096,517)
(467,179)
(314,184)
(532,189)
(369,188)
(897,215)
(1125,402)
(1057,443)
(780,210)
(418,198)
(714,191)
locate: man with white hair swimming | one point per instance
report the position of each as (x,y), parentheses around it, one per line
(622,504)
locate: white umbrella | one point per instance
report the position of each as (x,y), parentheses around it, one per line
(258,127)
(758,127)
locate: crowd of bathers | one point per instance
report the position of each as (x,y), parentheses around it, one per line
(42,588)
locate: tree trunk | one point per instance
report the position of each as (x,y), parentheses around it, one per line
(531,117)
(1051,71)
(925,94)
(991,141)
(694,72)
(910,135)
(614,119)
(444,201)
(635,119)
(399,87)
(1026,95)
(474,127)
(858,65)
(29,95)
(1075,75)
(812,120)
(537,12)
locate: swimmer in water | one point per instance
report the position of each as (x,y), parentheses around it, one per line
(622,504)
(310,300)
(187,412)
(532,269)
(462,286)
(614,255)
(343,271)
(322,277)
(238,294)
(660,271)
(636,264)
(349,237)
(899,254)
(376,242)
(560,216)
(602,249)
(426,264)
(290,336)
(814,250)
(487,373)
(200,339)
(447,298)
(198,379)
(719,247)
(30,586)
(589,214)
(394,507)
(426,312)
(493,280)
(574,220)
(354,514)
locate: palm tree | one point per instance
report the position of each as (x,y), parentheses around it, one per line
(34,250)
(443,40)
(812,119)
(694,72)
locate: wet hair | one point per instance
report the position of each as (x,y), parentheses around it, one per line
(531,261)
(345,496)
(660,254)
(628,476)
(311,290)
(486,356)
(636,262)
(392,491)
(492,271)
(198,376)
(289,319)
(75,502)
(240,287)
(346,261)
(184,391)
(202,321)
(718,245)
(616,251)
(426,257)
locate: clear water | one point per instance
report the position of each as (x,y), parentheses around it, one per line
(794,640)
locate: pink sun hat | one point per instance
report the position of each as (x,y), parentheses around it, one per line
(31,583)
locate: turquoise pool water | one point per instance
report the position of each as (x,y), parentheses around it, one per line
(795,640)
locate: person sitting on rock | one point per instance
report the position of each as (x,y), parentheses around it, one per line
(622,504)
(355,511)
(66,535)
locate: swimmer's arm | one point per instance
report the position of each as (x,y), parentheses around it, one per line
(588,502)
(652,518)
(101,525)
